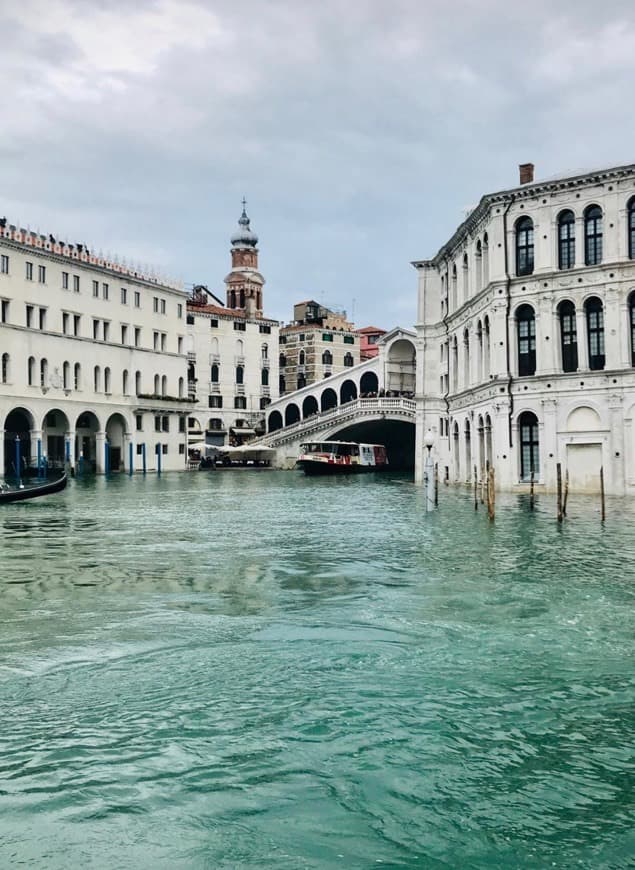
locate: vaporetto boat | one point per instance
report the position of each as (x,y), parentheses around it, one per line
(335,457)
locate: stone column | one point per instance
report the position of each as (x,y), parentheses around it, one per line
(546,333)
(70,436)
(612,329)
(100,442)
(127,441)
(581,336)
(549,445)
(502,461)
(498,341)
(36,435)
(615,474)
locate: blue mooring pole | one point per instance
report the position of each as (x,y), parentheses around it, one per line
(106,457)
(17,458)
(68,450)
(130,455)
(143,456)
(159,460)
(39,457)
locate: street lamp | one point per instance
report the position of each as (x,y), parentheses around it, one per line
(428,470)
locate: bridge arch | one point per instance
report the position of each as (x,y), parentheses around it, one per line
(309,407)
(401,366)
(291,414)
(274,421)
(369,383)
(348,391)
(328,399)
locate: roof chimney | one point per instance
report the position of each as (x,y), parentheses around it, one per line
(526,173)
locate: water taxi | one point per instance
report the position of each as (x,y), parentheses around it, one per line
(334,457)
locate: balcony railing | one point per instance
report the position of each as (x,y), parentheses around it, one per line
(214,359)
(191,356)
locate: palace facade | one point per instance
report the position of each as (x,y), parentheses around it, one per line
(526,336)
(93,359)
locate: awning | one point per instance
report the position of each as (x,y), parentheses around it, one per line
(238,430)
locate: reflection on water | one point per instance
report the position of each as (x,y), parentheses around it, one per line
(261,669)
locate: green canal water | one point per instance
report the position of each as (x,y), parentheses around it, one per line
(255,669)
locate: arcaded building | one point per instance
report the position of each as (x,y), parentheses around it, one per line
(526,336)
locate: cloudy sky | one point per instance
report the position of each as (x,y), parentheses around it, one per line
(360,131)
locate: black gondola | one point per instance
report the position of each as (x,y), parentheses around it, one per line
(9,494)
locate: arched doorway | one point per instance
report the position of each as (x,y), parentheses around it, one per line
(348,392)
(116,430)
(328,399)
(368,384)
(54,430)
(309,407)
(18,424)
(86,430)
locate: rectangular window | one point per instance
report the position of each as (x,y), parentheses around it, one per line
(137,299)
(164,449)
(64,280)
(264,328)
(106,330)
(181,449)
(139,422)
(155,304)
(96,289)
(124,334)
(213,323)
(327,336)
(64,323)
(240,402)
(282,339)
(5,310)
(163,340)
(190,320)
(124,296)
(180,344)
(29,271)
(179,311)
(139,449)
(349,339)
(95,329)
(29,315)
(165,424)
(181,424)
(76,324)
(155,340)
(41,274)
(4,264)
(105,291)
(42,318)
(157,424)
(215,401)
(76,283)
(239,326)
(137,336)
(163,306)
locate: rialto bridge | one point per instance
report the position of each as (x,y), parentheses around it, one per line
(372,402)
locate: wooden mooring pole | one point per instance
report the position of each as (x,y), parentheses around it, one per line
(531,491)
(483,485)
(491,494)
(603,505)
(566,493)
(475,488)
(559,485)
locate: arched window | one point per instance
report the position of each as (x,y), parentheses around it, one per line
(631,228)
(157,385)
(595,332)
(181,387)
(97,379)
(164,385)
(232,298)
(264,377)
(282,360)
(301,358)
(5,368)
(568,336)
(529,445)
(265,351)
(240,375)
(524,246)
(526,333)
(44,373)
(478,262)
(631,321)
(282,384)
(240,347)
(348,359)
(125,382)
(455,364)
(593,235)
(466,359)
(77,376)
(486,349)
(215,374)
(485,260)
(466,278)
(454,288)
(106,380)
(566,240)
(242,297)
(66,376)
(30,370)
(301,382)
(327,358)
(137,383)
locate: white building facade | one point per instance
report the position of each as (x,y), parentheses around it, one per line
(93,356)
(526,336)
(232,352)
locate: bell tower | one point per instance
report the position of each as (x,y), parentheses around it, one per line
(244,283)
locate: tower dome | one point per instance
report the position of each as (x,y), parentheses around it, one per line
(244,237)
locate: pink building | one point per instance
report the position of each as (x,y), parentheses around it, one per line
(368,338)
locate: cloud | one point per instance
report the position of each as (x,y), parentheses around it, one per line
(358,131)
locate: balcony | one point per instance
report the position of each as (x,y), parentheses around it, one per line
(265,362)
(214,387)
(191,357)
(265,391)
(191,388)
(239,360)
(240,389)
(214,359)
